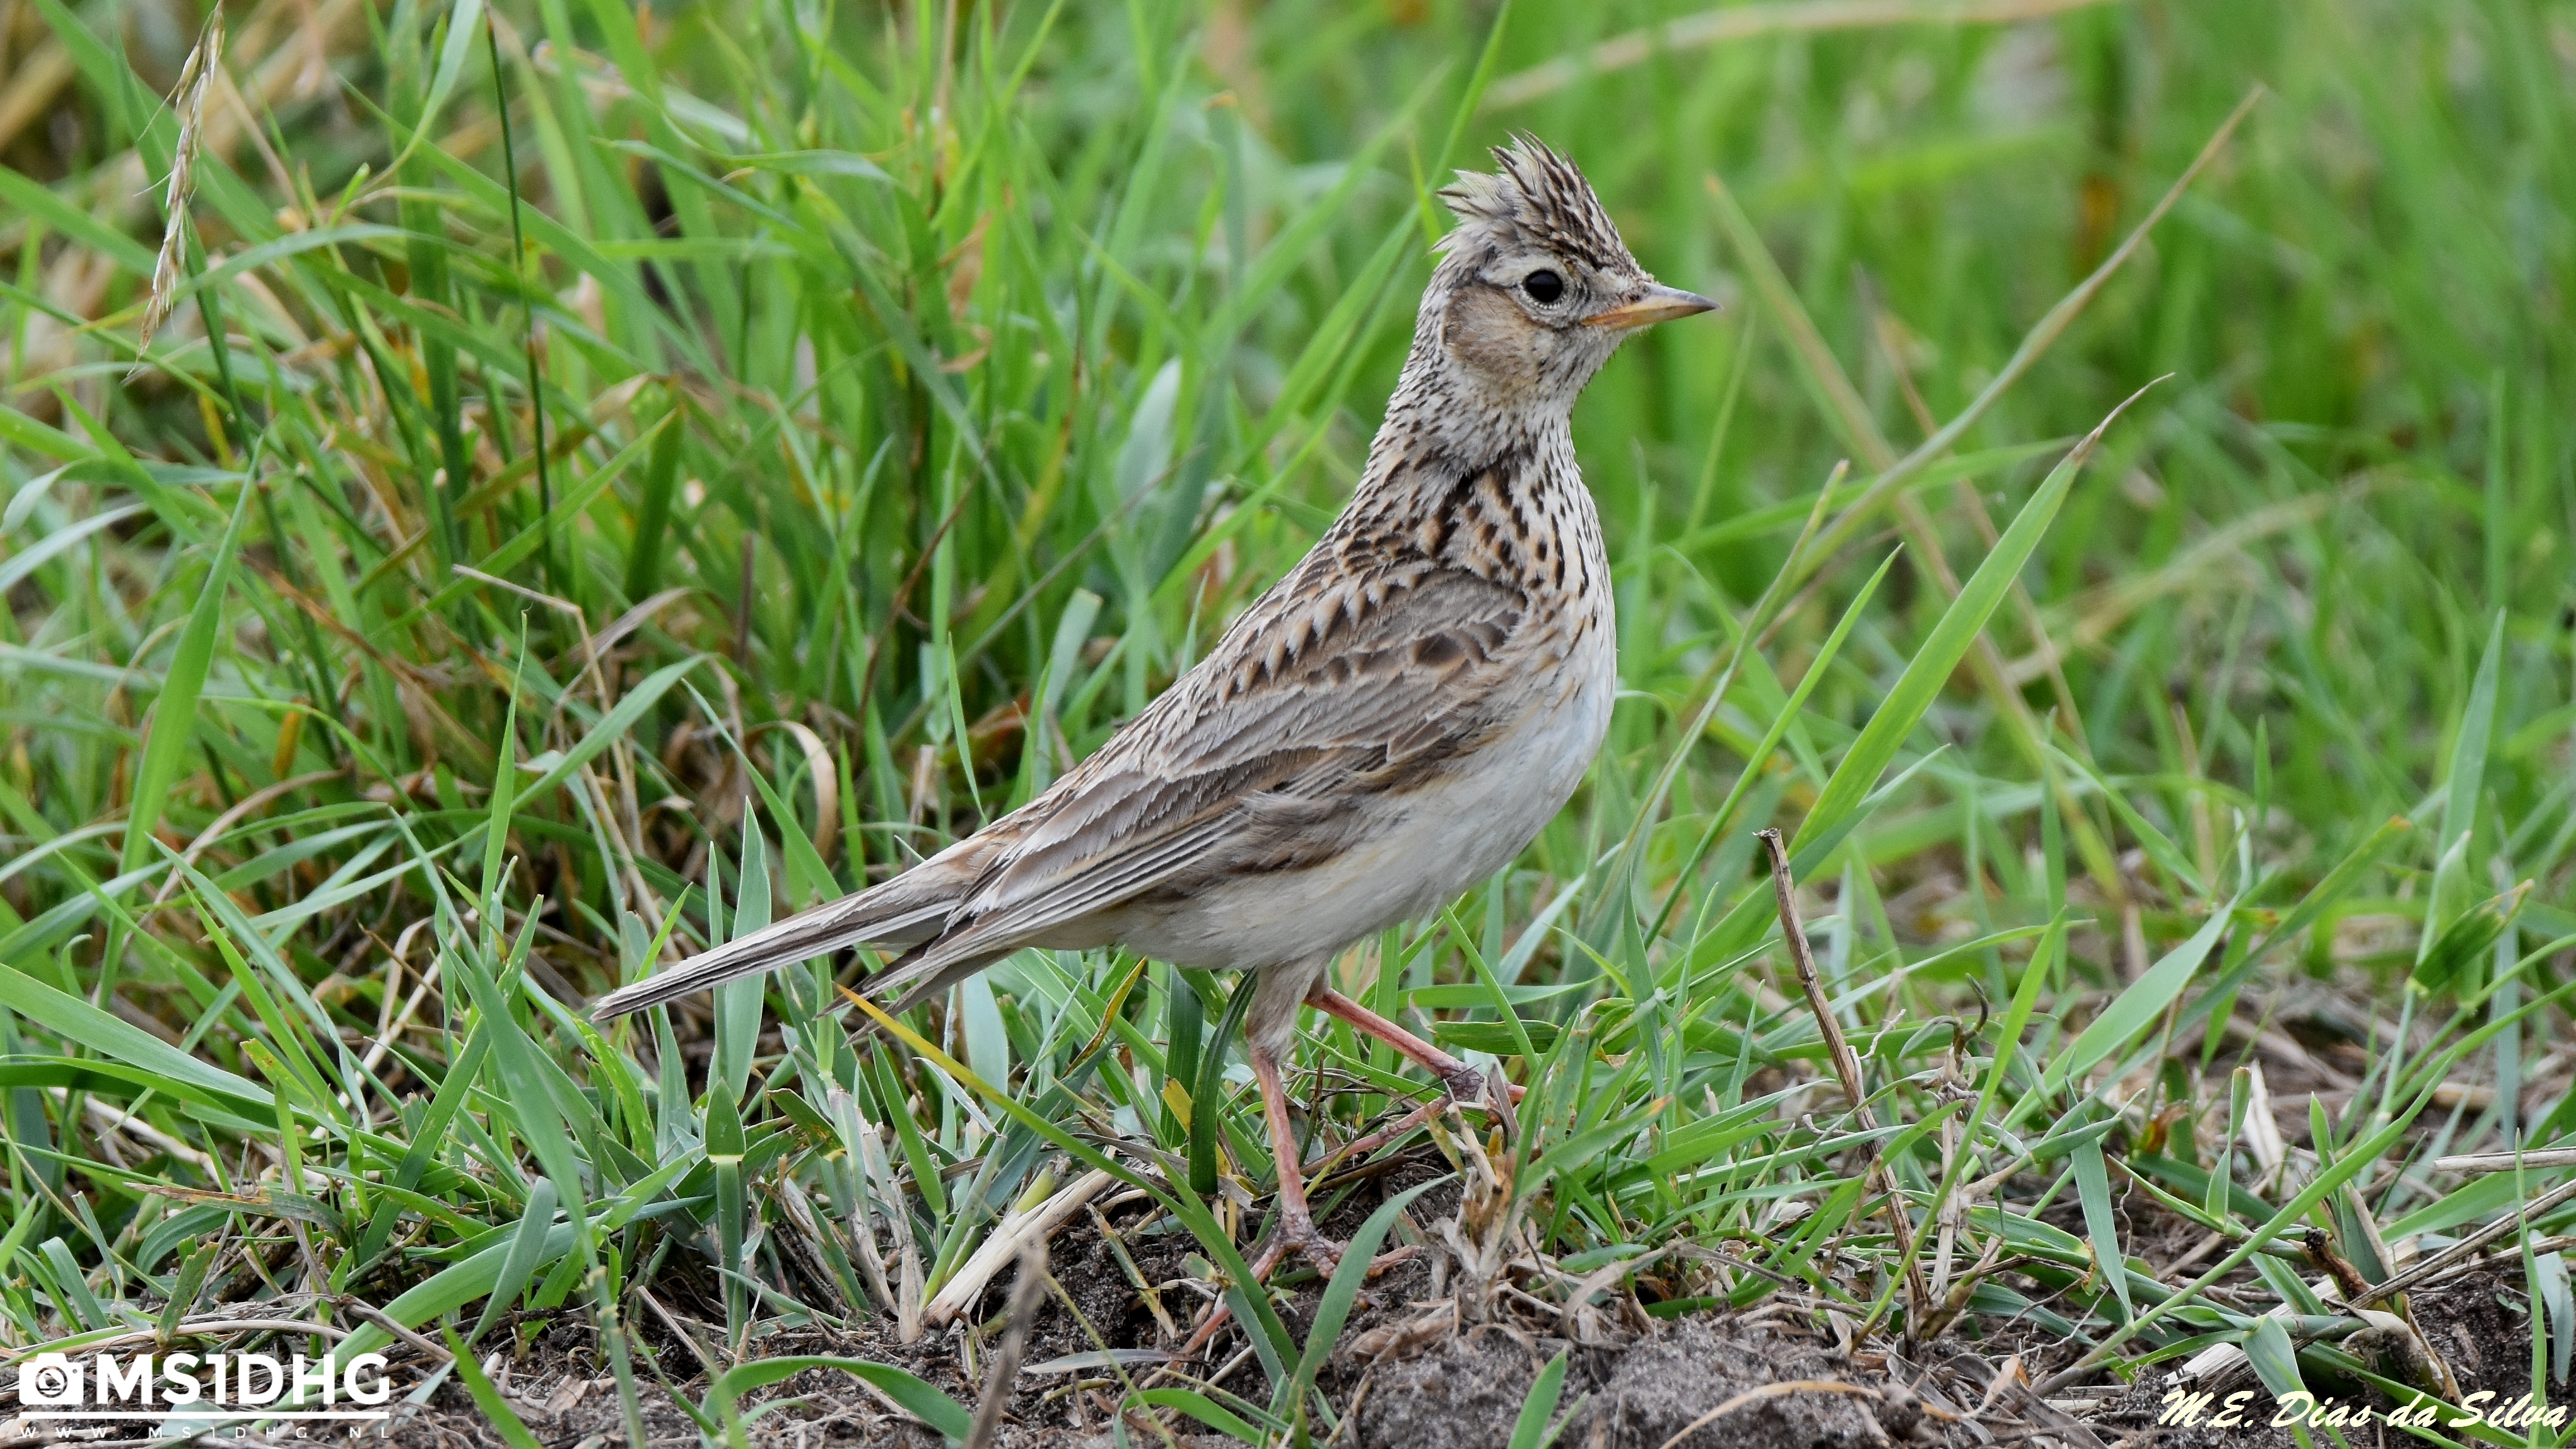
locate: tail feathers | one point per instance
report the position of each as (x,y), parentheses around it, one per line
(932,969)
(856,921)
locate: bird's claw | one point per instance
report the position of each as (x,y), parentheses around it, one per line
(1321,1253)
(1298,1234)
(1468,1087)
(1216,1315)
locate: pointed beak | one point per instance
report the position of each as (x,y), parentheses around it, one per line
(1661,303)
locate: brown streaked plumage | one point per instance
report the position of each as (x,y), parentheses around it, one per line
(1392,722)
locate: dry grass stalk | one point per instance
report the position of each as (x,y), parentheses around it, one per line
(1846,1067)
(1005,1367)
(195,80)
(1009,1242)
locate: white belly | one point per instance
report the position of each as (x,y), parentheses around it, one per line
(1421,851)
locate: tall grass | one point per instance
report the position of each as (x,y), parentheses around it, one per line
(493,579)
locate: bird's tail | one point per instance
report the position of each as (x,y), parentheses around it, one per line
(905,911)
(803,937)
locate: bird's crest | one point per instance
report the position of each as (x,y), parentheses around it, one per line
(1538,197)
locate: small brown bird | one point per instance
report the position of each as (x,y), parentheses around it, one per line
(1389,724)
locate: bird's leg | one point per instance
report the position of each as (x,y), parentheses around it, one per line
(1466,1085)
(1297,1232)
(1269,1029)
(1296,1223)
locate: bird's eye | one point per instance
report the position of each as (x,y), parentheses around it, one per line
(1543,286)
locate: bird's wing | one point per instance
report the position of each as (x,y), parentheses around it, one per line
(1327,690)
(1332,686)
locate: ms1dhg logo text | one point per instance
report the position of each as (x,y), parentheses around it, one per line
(194,1385)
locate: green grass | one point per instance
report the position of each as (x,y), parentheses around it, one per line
(886,401)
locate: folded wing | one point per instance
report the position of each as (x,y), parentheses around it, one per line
(1325,691)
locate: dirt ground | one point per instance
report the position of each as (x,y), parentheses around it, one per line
(1407,1375)
(1464,1389)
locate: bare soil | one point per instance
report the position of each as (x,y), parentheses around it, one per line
(1467,1393)
(1407,1375)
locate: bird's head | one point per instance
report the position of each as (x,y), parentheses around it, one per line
(1535,289)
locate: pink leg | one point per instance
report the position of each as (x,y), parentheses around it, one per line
(1466,1085)
(1297,1231)
(1296,1223)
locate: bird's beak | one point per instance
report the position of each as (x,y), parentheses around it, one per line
(1661,303)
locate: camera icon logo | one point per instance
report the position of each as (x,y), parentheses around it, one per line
(49,1380)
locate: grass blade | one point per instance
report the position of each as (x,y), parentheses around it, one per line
(1530,1430)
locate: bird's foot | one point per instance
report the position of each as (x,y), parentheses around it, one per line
(1322,1253)
(1297,1234)
(1470,1094)
(1468,1087)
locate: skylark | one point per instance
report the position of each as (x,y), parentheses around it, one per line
(1389,724)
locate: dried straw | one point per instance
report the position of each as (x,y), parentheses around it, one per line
(195,80)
